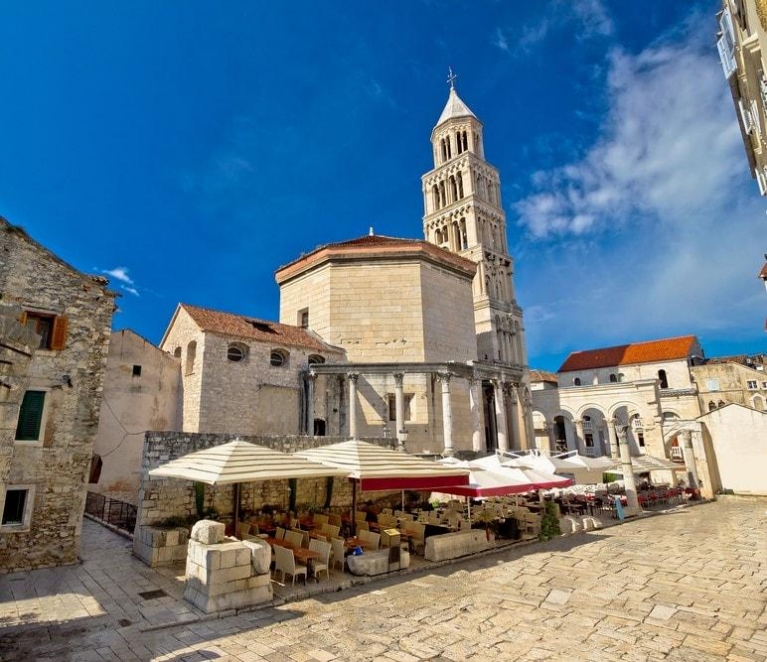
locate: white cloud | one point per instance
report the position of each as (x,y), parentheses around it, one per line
(130,290)
(652,231)
(588,18)
(119,273)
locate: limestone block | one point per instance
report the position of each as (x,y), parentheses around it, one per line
(260,556)
(229,557)
(208,532)
(369,563)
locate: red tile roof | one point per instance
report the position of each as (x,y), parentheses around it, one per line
(542,376)
(763,272)
(251,328)
(377,246)
(644,352)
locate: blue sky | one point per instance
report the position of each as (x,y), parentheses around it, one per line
(191,148)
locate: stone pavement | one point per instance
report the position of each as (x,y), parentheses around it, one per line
(691,585)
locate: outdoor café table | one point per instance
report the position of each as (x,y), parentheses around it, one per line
(280,543)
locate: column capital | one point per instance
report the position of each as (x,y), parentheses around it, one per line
(444,377)
(353,376)
(310,375)
(398,378)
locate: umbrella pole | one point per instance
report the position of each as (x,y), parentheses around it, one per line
(236,507)
(354,507)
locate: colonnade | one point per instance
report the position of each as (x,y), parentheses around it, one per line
(510,430)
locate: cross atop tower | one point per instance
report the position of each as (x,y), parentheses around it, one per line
(451,78)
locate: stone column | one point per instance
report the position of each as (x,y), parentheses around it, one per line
(310,379)
(689,459)
(613,440)
(447,414)
(500,415)
(627,467)
(399,407)
(578,435)
(353,404)
(514,413)
(476,420)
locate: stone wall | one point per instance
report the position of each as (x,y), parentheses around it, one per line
(163,498)
(131,405)
(54,467)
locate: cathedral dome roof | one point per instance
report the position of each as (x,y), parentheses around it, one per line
(454,108)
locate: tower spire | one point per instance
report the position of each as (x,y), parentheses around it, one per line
(451,78)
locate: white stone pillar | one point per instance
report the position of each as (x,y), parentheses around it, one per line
(500,415)
(447,414)
(628,469)
(352,376)
(579,445)
(399,408)
(689,459)
(310,379)
(516,442)
(613,440)
(476,420)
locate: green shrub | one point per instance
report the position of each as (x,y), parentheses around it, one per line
(550,522)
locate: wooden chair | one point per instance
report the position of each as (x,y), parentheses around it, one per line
(280,533)
(285,562)
(339,557)
(334,520)
(319,519)
(372,539)
(295,538)
(323,563)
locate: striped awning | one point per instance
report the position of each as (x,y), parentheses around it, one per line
(378,468)
(241,462)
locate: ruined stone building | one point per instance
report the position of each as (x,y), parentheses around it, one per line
(54,332)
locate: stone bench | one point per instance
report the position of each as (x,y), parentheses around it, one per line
(454,545)
(376,562)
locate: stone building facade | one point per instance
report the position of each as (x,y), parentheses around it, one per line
(142,392)
(731,379)
(56,328)
(241,375)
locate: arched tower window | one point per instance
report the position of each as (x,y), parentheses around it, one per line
(662,379)
(464,238)
(459,179)
(577,381)
(613,377)
(449,147)
(444,150)
(465,141)
(453,189)
(442,196)
(191,354)
(177,352)
(435,195)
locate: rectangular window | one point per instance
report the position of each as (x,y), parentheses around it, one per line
(303,318)
(52,329)
(14,509)
(137,371)
(30,416)
(751,384)
(640,439)
(408,398)
(712,384)
(588,438)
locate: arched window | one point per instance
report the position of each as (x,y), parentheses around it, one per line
(711,405)
(236,352)
(721,403)
(459,179)
(758,403)
(662,379)
(577,381)
(442,195)
(444,150)
(316,359)
(278,358)
(177,352)
(191,354)
(435,195)
(449,147)
(458,143)
(453,189)
(621,377)
(464,238)
(613,378)
(465,141)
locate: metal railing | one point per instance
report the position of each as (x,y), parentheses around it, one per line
(118,513)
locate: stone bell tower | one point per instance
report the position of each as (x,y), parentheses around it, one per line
(463,214)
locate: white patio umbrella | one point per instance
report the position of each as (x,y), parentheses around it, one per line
(538,479)
(372,467)
(240,462)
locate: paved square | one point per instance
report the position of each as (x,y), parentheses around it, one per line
(688,586)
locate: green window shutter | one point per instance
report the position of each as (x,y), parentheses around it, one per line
(30,416)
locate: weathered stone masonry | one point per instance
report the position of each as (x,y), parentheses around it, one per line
(68,369)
